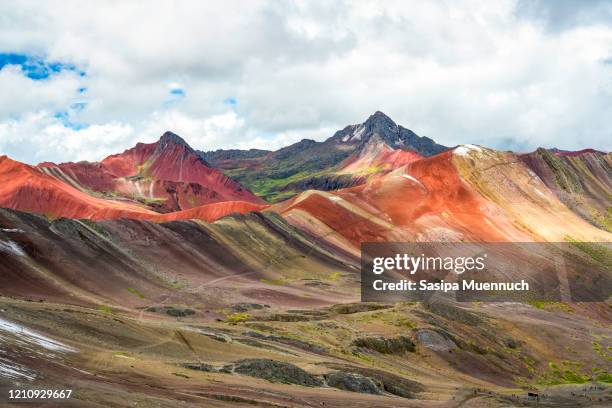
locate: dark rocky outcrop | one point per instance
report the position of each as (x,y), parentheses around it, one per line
(391,383)
(171,311)
(274,371)
(199,367)
(434,340)
(352,382)
(325,183)
(384,345)
(245,307)
(350,308)
(220,155)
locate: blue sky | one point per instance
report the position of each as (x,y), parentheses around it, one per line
(508,74)
(35,67)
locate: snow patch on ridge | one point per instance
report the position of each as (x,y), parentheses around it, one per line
(26,336)
(355,135)
(14,371)
(17,340)
(11,230)
(11,247)
(464,150)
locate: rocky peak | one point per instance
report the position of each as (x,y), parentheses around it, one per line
(380,123)
(172,137)
(169,139)
(388,132)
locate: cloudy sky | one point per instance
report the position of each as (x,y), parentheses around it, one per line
(80,80)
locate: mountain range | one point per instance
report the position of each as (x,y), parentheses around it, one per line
(169,180)
(231,278)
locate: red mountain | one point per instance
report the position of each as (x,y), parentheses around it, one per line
(167,176)
(163,177)
(27,188)
(33,189)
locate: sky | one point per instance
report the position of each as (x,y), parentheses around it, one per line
(82,80)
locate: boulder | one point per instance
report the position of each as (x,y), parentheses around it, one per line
(384,345)
(434,340)
(352,382)
(276,371)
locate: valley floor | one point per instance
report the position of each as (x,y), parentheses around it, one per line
(435,354)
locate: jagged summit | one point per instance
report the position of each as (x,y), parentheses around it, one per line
(170,138)
(381,128)
(379,120)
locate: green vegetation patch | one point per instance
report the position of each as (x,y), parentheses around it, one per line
(564,176)
(136,292)
(566,372)
(276,282)
(273,189)
(152,200)
(236,318)
(106,309)
(604,220)
(597,252)
(604,377)
(95,227)
(556,377)
(551,306)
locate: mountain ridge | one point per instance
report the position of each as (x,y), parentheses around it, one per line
(277,175)
(170,177)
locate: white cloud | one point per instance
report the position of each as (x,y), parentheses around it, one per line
(20,94)
(459,72)
(40,137)
(205,133)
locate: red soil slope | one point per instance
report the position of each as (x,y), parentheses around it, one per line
(28,188)
(378,157)
(211,212)
(430,195)
(159,195)
(31,189)
(82,175)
